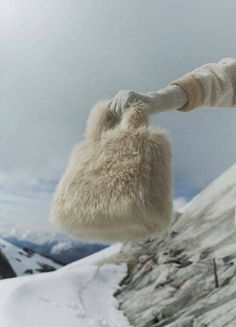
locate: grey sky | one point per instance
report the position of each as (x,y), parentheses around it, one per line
(59,57)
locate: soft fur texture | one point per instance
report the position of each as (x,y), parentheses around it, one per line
(118,184)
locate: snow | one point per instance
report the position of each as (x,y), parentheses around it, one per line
(80,294)
(21,261)
(176,281)
(96,257)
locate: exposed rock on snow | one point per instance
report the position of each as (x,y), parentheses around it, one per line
(5,268)
(171,280)
(18,262)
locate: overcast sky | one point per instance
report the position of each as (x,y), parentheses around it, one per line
(58,57)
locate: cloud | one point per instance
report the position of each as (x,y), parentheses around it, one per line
(24,211)
(179,203)
(62,246)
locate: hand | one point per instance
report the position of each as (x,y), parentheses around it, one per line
(168,98)
(123,99)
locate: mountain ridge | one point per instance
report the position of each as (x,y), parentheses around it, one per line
(16,261)
(187,277)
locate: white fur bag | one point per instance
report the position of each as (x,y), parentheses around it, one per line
(118,183)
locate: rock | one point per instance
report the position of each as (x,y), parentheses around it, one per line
(172,281)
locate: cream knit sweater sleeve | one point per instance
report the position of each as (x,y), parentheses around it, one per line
(211,85)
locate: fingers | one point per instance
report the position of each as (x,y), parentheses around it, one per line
(112,107)
(125,98)
(121,102)
(115,106)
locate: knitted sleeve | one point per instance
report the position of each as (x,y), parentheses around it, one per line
(211,85)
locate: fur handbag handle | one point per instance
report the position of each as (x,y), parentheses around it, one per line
(101,119)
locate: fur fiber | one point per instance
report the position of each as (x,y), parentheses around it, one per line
(118,183)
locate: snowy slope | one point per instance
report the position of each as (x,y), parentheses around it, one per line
(24,262)
(171,277)
(78,295)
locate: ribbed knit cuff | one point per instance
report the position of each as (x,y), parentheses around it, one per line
(194,90)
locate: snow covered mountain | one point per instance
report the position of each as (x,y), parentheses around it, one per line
(15,261)
(187,277)
(183,278)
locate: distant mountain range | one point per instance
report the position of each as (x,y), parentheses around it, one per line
(55,246)
(35,252)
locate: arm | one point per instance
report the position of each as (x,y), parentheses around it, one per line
(211,85)
(170,97)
